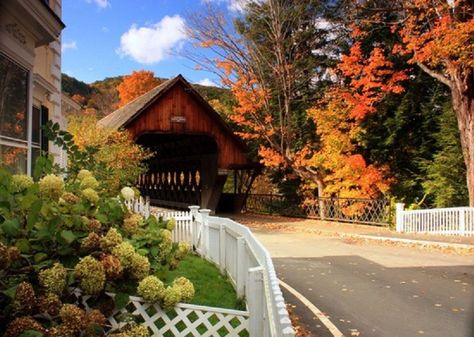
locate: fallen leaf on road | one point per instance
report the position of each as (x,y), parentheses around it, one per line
(300,329)
(354,332)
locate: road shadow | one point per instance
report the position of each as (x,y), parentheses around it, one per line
(364,298)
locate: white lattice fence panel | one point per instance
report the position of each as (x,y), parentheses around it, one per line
(185,320)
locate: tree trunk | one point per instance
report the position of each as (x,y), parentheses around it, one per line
(311,175)
(462,91)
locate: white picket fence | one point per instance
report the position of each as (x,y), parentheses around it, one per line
(139,205)
(439,221)
(184,224)
(237,252)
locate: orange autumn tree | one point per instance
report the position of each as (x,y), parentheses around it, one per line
(135,85)
(438,37)
(79,99)
(370,79)
(347,174)
(266,60)
(363,84)
(270,88)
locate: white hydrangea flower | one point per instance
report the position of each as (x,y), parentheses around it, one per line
(127,193)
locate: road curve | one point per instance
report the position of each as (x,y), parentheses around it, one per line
(371,290)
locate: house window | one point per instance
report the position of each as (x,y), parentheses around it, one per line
(39,141)
(13,115)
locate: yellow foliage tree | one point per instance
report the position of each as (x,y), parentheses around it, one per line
(116,149)
(347,174)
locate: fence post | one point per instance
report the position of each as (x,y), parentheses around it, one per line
(271,203)
(255,300)
(462,222)
(139,205)
(147,207)
(193,210)
(241,265)
(222,235)
(399,216)
(205,230)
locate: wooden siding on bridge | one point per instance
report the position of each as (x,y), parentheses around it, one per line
(179,111)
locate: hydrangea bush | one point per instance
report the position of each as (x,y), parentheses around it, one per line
(60,234)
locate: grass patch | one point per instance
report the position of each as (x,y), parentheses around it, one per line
(212,288)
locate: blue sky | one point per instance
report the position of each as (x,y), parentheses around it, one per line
(105,38)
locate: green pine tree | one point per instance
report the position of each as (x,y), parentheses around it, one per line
(402,135)
(446,173)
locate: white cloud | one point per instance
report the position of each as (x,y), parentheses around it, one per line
(152,43)
(238,5)
(232,5)
(207,82)
(68,45)
(100,3)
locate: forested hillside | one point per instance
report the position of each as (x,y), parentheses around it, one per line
(102,97)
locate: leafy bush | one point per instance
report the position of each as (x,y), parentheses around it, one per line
(63,234)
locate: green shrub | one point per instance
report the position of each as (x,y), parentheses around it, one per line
(62,233)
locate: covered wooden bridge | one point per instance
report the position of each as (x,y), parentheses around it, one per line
(195,151)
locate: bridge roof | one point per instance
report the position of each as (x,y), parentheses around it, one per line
(175,107)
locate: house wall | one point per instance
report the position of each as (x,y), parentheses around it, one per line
(29,36)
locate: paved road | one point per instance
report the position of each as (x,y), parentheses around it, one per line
(372,290)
